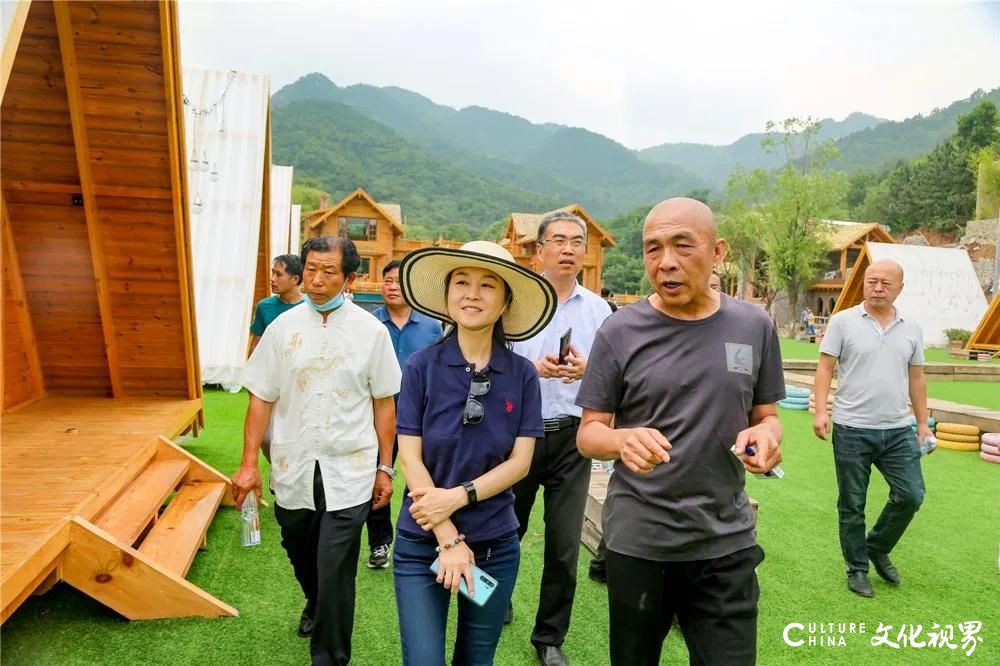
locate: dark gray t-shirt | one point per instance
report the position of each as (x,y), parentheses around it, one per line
(696,382)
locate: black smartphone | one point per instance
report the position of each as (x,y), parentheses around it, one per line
(564,346)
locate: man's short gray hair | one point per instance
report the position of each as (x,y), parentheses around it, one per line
(559,216)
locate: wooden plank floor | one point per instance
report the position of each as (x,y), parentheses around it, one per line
(63,457)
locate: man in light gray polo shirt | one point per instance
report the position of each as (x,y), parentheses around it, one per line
(881,356)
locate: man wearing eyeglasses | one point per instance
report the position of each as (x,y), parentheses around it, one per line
(410,331)
(557,466)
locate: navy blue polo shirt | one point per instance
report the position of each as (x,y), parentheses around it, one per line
(432,400)
(419,332)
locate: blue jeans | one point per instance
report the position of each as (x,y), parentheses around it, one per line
(896,454)
(423,603)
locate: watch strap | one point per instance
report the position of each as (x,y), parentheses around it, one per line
(470,491)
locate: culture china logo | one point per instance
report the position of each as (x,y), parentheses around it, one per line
(963,636)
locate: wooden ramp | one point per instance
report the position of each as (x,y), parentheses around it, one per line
(84,483)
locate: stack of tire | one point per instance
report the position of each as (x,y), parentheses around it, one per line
(796,399)
(829,404)
(957,436)
(989,447)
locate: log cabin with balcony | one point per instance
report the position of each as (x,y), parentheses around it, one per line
(847,241)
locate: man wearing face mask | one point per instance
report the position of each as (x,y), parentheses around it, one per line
(328,373)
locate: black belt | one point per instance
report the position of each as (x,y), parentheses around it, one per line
(554,425)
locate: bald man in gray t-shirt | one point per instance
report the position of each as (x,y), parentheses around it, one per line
(675,385)
(880,354)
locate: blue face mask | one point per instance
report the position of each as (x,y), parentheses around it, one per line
(329,306)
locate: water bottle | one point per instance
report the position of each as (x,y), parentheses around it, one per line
(928,445)
(249,521)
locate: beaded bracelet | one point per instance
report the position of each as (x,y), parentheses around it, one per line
(454,542)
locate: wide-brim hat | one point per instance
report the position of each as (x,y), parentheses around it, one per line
(422,275)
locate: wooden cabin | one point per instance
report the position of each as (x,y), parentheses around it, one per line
(374,228)
(99,344)
(521,238)
(847,241)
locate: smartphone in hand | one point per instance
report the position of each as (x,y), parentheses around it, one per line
(564,346)
(485,584)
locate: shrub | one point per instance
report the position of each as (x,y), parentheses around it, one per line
(959,334)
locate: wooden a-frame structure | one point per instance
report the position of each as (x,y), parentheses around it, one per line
(99,346)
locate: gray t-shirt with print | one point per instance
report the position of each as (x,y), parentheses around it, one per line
(696,382)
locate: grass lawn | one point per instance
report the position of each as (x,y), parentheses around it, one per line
(809,351)
(948,561)
(980,394)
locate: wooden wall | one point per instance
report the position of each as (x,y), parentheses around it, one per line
(40,177)
(22,371)
(91,113)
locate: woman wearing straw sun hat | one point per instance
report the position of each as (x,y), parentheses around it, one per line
(469,412)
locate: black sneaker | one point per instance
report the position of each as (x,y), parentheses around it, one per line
(379,558)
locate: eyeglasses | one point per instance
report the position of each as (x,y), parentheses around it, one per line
(474,410)
(559,242)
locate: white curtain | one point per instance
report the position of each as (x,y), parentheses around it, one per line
(295,237)
(226,132)
(281,209)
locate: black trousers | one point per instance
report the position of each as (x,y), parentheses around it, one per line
(379,521)
(323,548)
(565,477)
(715,602)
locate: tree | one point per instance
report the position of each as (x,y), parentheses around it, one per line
(622,273)
(803,193)
(742,224)
(308,197)
(980,127)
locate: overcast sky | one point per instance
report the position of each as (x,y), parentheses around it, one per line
(642,72)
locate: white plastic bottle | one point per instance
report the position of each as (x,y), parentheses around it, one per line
(249,521)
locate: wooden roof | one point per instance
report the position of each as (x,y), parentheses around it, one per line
(844,235)
(526,225)
(94,196)
(391,212)
(987,334)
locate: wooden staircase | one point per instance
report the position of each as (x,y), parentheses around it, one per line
(133,554)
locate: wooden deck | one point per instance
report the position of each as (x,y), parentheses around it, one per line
(62,458)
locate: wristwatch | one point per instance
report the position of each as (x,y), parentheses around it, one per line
(470,491)
(388,470)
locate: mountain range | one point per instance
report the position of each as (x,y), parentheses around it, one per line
(476,165)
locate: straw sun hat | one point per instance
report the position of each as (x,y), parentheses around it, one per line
(422,275)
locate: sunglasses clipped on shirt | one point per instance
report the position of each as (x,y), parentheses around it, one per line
(474,410)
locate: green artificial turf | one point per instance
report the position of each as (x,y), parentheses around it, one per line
(980,394)
(809,351)
(948,561)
